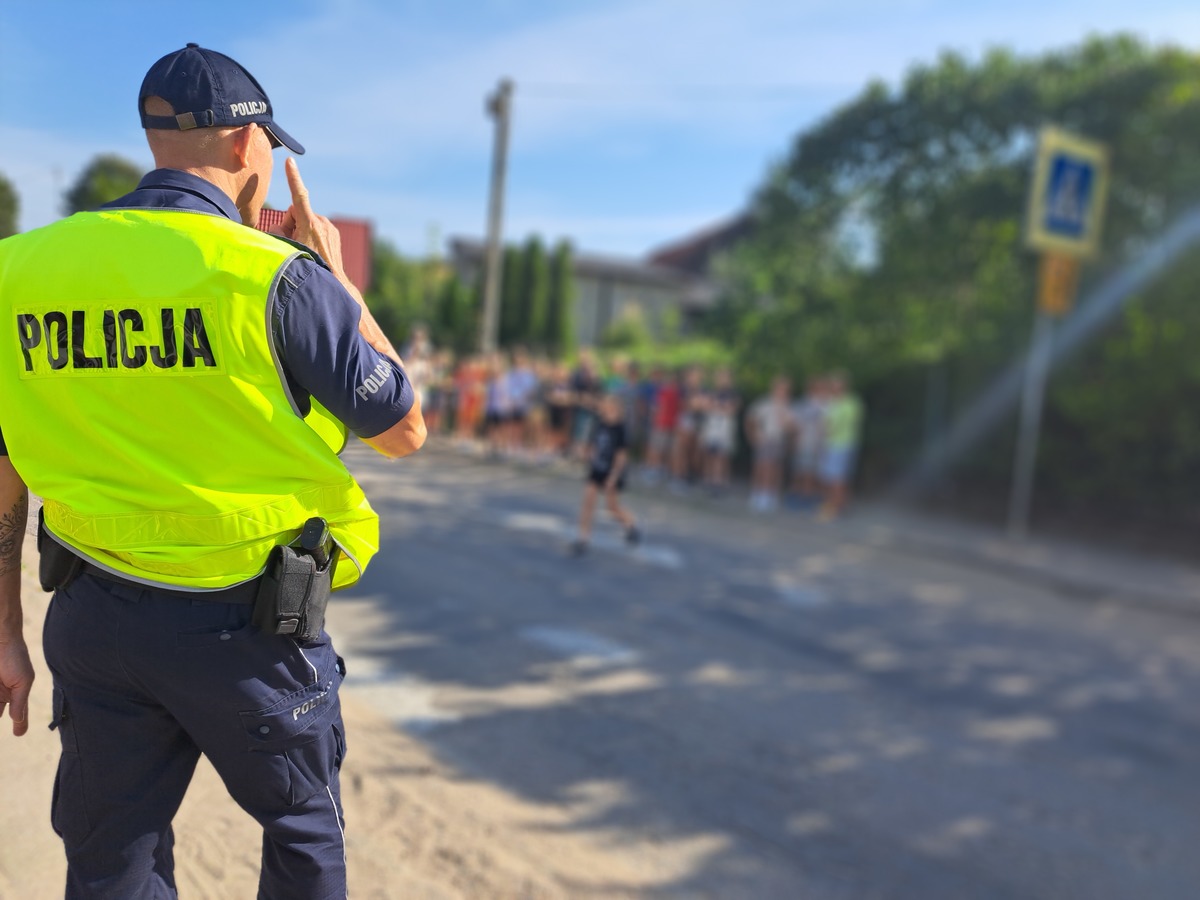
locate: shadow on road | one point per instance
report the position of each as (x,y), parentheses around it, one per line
(778,716)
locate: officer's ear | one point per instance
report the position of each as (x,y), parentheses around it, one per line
(243,144)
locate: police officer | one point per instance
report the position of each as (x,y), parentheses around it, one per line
(176,387)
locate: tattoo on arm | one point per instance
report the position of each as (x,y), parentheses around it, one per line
(12,534)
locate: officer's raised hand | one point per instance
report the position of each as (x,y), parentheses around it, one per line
(313,230)
(302,224)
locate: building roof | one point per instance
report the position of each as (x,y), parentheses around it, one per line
(694,252)
(593,265)
(356,244)
(683,265)
(356,250)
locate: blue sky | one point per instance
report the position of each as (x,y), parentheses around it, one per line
(635,121)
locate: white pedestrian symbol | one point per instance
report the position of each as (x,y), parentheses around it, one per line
(1067,200)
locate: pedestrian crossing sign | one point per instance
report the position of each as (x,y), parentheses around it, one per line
(1070,185)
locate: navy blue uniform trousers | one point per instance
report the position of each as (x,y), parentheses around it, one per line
(143,684)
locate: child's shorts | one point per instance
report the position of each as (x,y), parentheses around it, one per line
(837,464)
(599,477)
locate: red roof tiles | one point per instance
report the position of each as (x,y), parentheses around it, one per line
(356,244)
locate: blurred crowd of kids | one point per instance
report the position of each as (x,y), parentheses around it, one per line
(683,428)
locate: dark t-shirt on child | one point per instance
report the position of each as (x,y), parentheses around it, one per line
(609,440)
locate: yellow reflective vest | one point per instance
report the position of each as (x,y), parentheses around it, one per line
(142,398)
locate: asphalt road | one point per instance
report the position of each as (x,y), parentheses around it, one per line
(765,708)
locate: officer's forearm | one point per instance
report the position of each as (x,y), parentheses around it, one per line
(11,620)
(16,670)
(14,512)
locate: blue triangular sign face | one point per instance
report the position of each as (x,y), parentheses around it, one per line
(1069,196)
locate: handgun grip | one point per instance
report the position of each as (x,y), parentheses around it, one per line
(315,540)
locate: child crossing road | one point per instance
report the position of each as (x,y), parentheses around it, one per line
(606,472)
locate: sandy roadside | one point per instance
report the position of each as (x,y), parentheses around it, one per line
(416,828)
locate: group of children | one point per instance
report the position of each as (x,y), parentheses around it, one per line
(682,426)
(818,434)
(516,404)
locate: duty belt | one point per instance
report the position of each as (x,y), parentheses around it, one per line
(246,592)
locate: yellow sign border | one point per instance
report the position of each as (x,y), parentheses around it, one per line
(1052,142)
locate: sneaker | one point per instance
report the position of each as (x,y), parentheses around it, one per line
(578,547)
(633,537)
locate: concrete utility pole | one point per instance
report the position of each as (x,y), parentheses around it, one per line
(499,107)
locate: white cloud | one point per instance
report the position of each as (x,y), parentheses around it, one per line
(578,76)
(388,108)
(388,105)
(729,71)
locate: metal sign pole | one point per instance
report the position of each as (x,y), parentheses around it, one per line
(1066,209)
(1036,369)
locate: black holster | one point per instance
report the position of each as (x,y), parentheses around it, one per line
(57,566)
(293,594)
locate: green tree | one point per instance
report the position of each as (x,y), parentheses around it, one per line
(105,178)
(397,297)
(406,292)
(630,332)
(457,321)
(10,206)
(559,334)
(537,291)
(513,297)
(889,241)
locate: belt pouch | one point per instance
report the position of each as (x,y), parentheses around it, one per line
(293,595)
(57,566)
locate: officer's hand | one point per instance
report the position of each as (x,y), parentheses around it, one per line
(16,678)
(303,225)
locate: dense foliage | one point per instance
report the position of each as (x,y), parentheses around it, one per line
(889,242)
(10,206)
(105,178)
(535,298)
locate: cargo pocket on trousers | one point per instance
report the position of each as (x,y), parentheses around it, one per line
(311,766)
(68,811)
(304,728)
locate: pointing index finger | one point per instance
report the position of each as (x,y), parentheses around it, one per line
(296,185)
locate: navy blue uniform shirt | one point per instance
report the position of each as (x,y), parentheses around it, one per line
(315,321)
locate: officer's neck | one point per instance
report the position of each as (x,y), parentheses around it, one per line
(239,187)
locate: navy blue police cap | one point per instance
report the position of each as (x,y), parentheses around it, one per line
(208,89)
